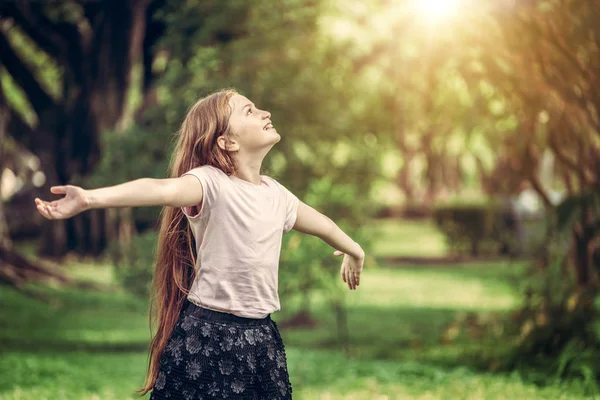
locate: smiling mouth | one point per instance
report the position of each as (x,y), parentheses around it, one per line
(268,126)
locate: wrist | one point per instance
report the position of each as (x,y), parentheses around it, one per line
(88,200)
(359,252)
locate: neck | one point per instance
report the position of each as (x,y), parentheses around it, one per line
(249,172)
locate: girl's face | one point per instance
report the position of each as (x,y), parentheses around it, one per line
(252,127)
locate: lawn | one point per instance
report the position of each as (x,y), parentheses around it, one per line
(92,345)
(410,238)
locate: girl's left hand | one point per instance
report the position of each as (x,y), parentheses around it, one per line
(74,202)
(351,269)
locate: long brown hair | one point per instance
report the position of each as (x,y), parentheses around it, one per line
(176,254)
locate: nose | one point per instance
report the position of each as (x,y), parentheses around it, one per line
(267,115)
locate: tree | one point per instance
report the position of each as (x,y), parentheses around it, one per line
(5,240)
(279,57)
(544,62)
(91,48)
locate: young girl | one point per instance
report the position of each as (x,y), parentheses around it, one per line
(215,282)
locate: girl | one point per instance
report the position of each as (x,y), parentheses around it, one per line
(215,281)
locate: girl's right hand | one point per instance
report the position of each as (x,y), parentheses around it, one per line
(351,268)
(74,202)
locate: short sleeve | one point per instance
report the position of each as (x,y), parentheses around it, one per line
(210,179)
(292,203)
(291,207)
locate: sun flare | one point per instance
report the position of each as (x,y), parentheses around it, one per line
(436,10)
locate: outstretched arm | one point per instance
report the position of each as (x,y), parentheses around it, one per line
(175,192)
(312,222)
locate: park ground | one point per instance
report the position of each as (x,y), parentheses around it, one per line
(90,344)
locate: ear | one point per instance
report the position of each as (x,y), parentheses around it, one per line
(227,144)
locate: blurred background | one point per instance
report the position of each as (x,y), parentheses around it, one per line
(457,141)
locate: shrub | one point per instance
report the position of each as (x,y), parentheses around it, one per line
(478,229)
(557,328)
(134,265)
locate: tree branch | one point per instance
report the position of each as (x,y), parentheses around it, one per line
(20,130)
(61,41)
(535,180)
(39,99)
(31,28)
(63,33)
(554,40)
(556,149)
(558,42)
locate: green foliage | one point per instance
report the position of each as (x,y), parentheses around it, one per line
(132,154)
(44,68)
(569,211)
(579,360)
(308,266)
(278,57)
(558,324)
(477,229)
(134,264)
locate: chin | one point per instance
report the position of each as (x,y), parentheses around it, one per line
(276,134)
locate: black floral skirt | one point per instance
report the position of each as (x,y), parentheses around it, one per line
(214,355)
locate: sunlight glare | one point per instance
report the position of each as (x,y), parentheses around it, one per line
(436,10)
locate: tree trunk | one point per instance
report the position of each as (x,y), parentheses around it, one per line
(582,267)
(582,237)
(97,88)
(341,318)
(97,64)
(403,178)
(5,240)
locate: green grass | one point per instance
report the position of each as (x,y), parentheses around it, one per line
(91,345)
(407,239)
(314,374)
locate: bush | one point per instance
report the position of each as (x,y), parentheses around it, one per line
(478,230)
(557,328)
(134,266)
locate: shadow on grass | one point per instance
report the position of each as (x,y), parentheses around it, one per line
(57,346)
(106,323)
(399,333)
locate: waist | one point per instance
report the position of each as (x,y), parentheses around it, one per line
(192,309)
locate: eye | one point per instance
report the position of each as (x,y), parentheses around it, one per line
(249,111)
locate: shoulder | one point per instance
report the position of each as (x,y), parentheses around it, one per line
(206,170)
(272,181)
(277,185)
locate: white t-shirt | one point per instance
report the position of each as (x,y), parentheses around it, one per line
(238,234)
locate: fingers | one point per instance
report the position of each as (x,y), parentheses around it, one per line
(43,208)
(58,189)
(47,209)
(350,277)
(346,276)
(354,277)
(345,272)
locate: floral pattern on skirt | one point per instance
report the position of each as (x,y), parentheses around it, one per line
(214,359)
